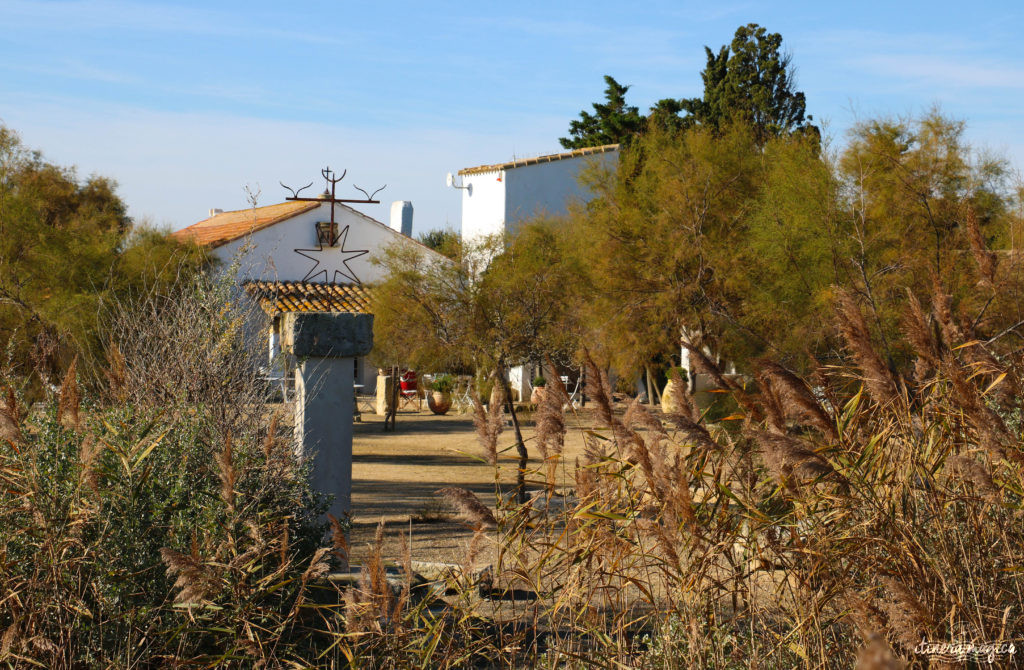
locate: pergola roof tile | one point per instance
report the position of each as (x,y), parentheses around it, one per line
(276,297)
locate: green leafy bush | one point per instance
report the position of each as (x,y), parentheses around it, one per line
(443,383)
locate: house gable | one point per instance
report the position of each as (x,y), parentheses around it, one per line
(283,246)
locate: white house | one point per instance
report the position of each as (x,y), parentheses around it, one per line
(292,261)
(495,198)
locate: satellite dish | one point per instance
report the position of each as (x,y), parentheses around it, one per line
(449,180)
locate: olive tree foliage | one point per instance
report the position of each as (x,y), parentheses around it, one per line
(67,246)
(498,301)
(740,243)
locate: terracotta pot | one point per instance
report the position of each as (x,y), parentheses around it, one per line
(439,403)
(538,395)
(666,398)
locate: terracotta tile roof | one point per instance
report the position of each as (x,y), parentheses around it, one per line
(586,151)
(229,226)
(296,296)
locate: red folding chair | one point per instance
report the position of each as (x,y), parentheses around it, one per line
(408,389)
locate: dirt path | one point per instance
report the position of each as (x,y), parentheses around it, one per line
(395,476)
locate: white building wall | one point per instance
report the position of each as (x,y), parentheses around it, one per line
(483,205)
(548,188)
(500,199)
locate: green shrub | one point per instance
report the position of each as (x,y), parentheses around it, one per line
(443,383)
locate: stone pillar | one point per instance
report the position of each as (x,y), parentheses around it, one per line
(324,345)
(385,393)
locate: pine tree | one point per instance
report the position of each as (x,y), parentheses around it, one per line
(612,122)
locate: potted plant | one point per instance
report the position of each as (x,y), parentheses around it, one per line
(538,390)
(440,399)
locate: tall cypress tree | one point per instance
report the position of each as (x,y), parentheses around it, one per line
(750,80)
(612,121)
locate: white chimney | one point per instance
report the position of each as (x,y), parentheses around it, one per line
(214,211)
(401,217)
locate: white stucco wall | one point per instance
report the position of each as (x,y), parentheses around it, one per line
(483,205)
(526,191)
(272,256)
(548,188)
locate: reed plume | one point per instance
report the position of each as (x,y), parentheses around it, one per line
(88,454)
(489,422)
(10,418)
(550,417)
(194,582)
(469,506)
(678,398)
(771,403)
(983,256)
(879,380)
(908,617)
(695,433)
(116,372)
(599,390)
(788,459)
(969,469)
(942,306)
(227,474)
(70,398)
(796,399)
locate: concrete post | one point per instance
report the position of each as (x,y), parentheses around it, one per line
(385,392)
(324,345)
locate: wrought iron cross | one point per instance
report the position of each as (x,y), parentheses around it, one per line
(329,177)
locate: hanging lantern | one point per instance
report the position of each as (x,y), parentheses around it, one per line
(327,233)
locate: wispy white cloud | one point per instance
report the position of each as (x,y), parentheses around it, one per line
(68,69)
(173,167)
(919,59)
(840,43)
(154,17)
(628,46)
(930,70)
(80,71)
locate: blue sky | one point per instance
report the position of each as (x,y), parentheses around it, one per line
(185,103)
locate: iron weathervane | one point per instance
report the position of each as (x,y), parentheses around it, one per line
(334,264)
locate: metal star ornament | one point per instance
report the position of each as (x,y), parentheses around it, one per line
(331,261)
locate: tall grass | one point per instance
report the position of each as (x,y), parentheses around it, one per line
(833,521)
(164,520)
(846,517)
